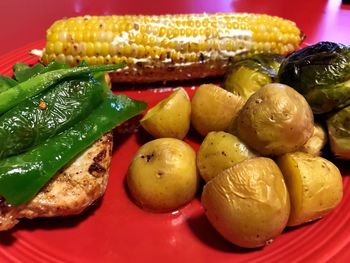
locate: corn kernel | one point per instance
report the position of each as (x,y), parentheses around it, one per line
(90,49)
(98,48)
(50,48)
(104,49)
(58,47)
(162,31)
(61,58)
(140,51)
(126,51)
(139,39)
(100,60)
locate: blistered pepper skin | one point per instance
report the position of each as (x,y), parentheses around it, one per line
(22,176)
(44,116)
(37,84)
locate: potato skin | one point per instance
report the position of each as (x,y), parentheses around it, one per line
(162,176)
(314,183)
(316,142)
(219,151)
(275,120)
(248,203)
(213,108)
(171,117)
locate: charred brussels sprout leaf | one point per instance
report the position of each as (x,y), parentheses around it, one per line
(248,75)
(321,73)
(339,133)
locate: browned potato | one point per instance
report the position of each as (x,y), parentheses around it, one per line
(171,117)
(248,203)
(275,120)
(213,108)
(218,151)
(314,184)
(163,175)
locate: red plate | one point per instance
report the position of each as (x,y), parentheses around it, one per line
(115,230)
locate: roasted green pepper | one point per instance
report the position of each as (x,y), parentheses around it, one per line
(22,176)
(36,84)
(36,119)
(19,66)
(23,72)
(6,83)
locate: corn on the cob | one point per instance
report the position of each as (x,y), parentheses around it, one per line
(169,47)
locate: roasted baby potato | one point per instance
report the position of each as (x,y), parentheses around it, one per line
(213,108)
(171,117)
(218,151)
(248,203)
(275,120)
(163,176)
(314,184)
(317,141)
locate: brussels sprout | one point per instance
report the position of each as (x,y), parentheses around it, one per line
(339,133)
(248,75)
(321,73)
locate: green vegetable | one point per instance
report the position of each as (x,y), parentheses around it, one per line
(6,83)
(22,74)
(19,66)
(41,82)
(339,133)
(22,176)
(247,76)
(54,65)
(321,73)
(36,119)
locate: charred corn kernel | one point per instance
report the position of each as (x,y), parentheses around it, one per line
(193,40)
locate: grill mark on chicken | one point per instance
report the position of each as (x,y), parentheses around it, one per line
(98,158)
(70,191)
(96,169)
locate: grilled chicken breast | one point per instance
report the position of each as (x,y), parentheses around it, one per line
(72,190)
